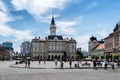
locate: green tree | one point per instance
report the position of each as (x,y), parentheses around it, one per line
(108,57)
(115,56)
(79,55)
(102,57)
(95,57)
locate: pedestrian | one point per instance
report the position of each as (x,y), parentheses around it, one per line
(56,62)
(118,63)
(44,61)
(105,64)
(28,63)
(70,63)
(99,63)
(78,65)
(25,63)
(61,65)
(39,62)
(113,65)
(94,64)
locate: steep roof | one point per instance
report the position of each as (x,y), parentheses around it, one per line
(52,21)
(52,37)
(101,42)
(93,38)
(100,46)
(117,26)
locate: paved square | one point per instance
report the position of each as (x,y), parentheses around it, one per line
(7,73)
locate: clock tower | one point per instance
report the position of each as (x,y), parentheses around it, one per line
(52,27)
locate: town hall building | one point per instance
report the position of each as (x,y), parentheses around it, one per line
(53,46)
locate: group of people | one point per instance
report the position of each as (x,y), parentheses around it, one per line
(62,63)
(27,63)
(97,62)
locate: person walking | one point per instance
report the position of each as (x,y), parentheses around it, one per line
(113,65)
(56,62)
(94,64)
(105,64)
(25,63)
(61,65)
(118,63)
(39,61)
(70,63)
(28,63)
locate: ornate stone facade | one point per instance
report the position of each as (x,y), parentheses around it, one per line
(53,46)
(96,48)
(112,42)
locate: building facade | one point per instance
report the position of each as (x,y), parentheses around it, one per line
(25,47)
(8,50)
(92,44)
(96,48)
(53,46)
(112,42)
(8,45)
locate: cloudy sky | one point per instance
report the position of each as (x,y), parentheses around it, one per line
(22,20)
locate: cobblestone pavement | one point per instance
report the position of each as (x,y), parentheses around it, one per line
(8,73)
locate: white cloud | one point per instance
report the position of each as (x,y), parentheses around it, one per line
(39,7)
(65,27)
(68,27)
(82,41)
(6,30)
(19,35)
(102,34)
(2,7)
(92,5)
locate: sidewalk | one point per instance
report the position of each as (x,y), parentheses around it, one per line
(51,65)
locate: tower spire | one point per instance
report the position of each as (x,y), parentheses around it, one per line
(52,26)
(53,21)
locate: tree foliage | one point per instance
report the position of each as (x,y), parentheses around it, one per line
(79,55)
(102,57)
(115,56)
(95,57)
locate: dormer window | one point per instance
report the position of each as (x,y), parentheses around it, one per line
(55,38)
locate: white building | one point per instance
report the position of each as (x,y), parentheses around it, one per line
(96,48)
(53,46)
